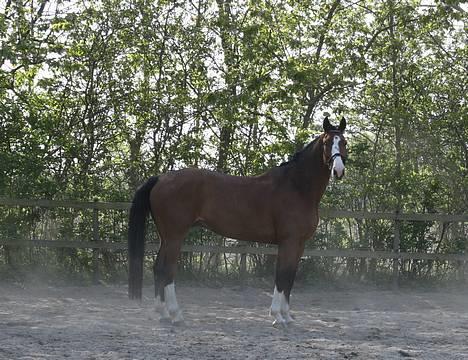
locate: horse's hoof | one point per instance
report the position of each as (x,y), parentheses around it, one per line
(280,324)
(165,320)
(178,323)
(178,319)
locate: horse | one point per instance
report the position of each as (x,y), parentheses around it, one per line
(278,207)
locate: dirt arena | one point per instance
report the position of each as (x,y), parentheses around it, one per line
(231,323)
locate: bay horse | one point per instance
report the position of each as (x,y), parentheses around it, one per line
(278,207)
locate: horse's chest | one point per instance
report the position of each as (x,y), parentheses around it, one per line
(301,225)
(308,228)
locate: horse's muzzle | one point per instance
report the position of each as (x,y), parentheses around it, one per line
(337,175)
(338,166)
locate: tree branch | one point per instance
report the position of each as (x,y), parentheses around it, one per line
(328,20)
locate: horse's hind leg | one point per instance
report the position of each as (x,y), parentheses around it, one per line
(158,271)
(165,269)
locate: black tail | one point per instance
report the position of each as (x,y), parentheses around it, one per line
(136,237)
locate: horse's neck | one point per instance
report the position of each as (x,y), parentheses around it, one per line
(311,175)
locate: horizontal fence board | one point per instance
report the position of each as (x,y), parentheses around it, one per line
(324,212)
(382,255)
(272,250)
(334,213)
(66,204)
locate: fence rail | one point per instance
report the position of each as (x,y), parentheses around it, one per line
(324,212)
(98,243)
(270,250)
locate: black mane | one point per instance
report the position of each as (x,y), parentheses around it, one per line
(294,158)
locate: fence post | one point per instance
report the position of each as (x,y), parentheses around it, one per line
(243,266)
(95,238)
(461,264)
(396,250)
(461,272)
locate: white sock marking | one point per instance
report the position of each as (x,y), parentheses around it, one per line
(280,308)
(276,302)
(161,308)
(171,302)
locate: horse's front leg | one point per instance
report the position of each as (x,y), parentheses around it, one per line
(286,268)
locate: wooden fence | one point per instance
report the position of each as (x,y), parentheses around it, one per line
(98,243)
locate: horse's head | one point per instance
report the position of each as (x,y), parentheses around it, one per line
(334,147)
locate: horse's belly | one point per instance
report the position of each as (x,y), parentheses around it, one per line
(245,227)
(238,211)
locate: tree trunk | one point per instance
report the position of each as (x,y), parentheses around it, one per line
(397,131)
(226,27)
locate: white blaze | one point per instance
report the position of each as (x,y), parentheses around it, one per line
(338,165)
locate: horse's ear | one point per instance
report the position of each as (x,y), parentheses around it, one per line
(326,124)
(342,126)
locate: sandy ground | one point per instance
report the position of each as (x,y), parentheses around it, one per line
(231,323)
